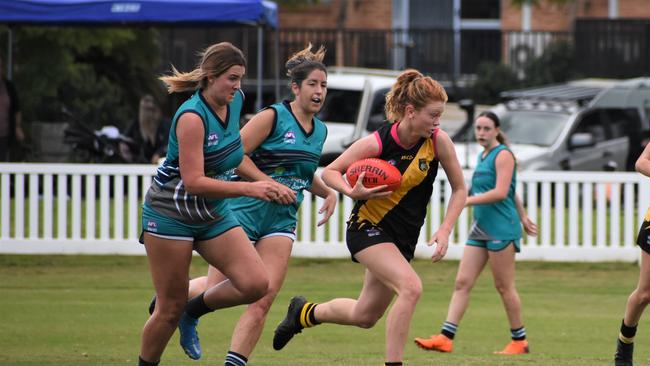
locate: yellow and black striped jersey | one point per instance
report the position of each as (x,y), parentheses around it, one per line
(402,213)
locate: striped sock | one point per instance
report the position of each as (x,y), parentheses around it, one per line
(449,329)
(627,333)
(307,318)
(518,334)
(235,359)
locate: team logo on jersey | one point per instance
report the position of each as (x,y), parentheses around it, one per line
(152,225)
(422,164)
(289,137)
(213,139)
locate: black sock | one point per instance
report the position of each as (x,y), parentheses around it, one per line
(627,333)
(393,363)
(142,362)
(196,307)
(449,329)
(235,359)
(518,334)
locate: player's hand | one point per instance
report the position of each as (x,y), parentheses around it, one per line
(360,192)
(285,195)
(529,226)
(441,240)
(264,190)
(328,206)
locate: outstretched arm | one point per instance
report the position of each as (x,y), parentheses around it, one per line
(449,161)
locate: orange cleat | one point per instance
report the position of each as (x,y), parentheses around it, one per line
(515,348)
(436,342)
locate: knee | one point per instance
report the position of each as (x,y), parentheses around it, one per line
(643,296)
(170,311)
(504,288)
(411,290)
(255,290)
(368,320)
(261,307)
(463,284)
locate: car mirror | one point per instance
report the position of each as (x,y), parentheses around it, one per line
(581,139)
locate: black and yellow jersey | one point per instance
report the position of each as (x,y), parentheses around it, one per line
(401,214)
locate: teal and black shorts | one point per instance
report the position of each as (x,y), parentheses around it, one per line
(495,245)
(168,228)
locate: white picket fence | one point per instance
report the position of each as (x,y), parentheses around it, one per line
(94,209)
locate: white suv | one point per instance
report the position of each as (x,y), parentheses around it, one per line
(583,125)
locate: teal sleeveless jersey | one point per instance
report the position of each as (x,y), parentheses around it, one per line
(290,156)
(497,220)
(222,153)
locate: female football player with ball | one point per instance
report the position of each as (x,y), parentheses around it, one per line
(384,226)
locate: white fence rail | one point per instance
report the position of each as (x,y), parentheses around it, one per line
(94,209)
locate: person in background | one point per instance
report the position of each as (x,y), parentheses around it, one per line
(185,208)
(494,236)
(149,134)
(640,297)
(384,226)
(11,126)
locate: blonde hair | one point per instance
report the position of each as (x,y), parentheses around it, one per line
(303,62)
(215,60)
(412,88)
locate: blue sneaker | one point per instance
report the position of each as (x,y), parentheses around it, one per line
(189,338)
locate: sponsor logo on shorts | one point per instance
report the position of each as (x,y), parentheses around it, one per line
(213,139)
(372,232)
(152,225)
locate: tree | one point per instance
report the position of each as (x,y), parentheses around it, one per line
(97,73)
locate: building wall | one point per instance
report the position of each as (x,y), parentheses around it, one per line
(364,14)
(553,17)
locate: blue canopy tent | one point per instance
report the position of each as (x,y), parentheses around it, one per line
(259,13)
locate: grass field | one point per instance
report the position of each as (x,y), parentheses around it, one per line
(89,310)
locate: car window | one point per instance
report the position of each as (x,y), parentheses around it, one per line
(533,127)
(377,111)
(623,122)
(593,122)
(341,106)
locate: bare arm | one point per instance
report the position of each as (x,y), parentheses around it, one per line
(529,226)
(449,162)
(319,188)
(253,135)
(643,162)
(367,147)
(190,134)
(505,166)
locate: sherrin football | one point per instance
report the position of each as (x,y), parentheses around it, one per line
(378,173)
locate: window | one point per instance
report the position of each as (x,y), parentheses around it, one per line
(480,9)
(341,106)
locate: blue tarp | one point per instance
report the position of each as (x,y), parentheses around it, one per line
(99,12)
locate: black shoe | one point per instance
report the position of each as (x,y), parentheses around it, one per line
(152,305)
(623,356)
(290,325)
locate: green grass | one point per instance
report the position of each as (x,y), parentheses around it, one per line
(89,310)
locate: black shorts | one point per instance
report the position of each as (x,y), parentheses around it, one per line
(643,240)
(359,237)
